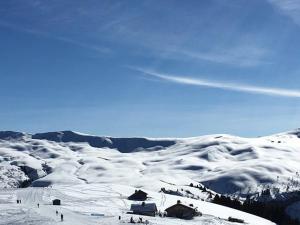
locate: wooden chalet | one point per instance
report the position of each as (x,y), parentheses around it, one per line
(146,209)
(181,211)
(138,195)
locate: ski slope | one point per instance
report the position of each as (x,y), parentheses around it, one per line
(93,174)
(79,202)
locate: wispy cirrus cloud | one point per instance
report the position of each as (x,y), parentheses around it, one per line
(241,56)
(290,8)
(126,26)
(271,91)
(96,48)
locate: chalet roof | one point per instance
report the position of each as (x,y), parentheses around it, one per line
(140,192)
(180,205)
(144,207)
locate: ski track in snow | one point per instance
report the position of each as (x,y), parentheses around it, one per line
(102,199)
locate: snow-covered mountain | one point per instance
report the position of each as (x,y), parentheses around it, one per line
(224,163)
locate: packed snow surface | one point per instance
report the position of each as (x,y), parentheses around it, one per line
(100,204)
(94,174)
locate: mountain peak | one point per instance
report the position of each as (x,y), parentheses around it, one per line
(121,144)
(11,135)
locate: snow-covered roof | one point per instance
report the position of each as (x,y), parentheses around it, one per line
(144,207)
(180,205)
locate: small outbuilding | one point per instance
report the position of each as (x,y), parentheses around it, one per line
(181,211)
(146,209)
(56,202)
(138,195)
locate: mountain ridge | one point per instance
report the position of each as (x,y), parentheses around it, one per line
(225,163)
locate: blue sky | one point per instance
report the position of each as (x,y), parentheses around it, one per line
(150,68)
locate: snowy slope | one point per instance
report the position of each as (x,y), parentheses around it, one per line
(80,202)
(227,164)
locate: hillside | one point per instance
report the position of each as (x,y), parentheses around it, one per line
(225,164)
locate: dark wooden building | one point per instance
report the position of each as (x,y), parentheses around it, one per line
(181,211)
(138,195)
(56,202)
(147,209)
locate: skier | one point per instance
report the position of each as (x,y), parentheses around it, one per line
(38,205)
(131,220)
(61,217)
(56,213)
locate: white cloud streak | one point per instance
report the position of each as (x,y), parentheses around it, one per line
(242,56)
(223,85)
(290,8)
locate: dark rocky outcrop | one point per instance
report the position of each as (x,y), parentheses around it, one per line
(7,135)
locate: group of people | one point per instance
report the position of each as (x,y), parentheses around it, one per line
(140,220)
(38,205)
(61,216)
(56,212)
